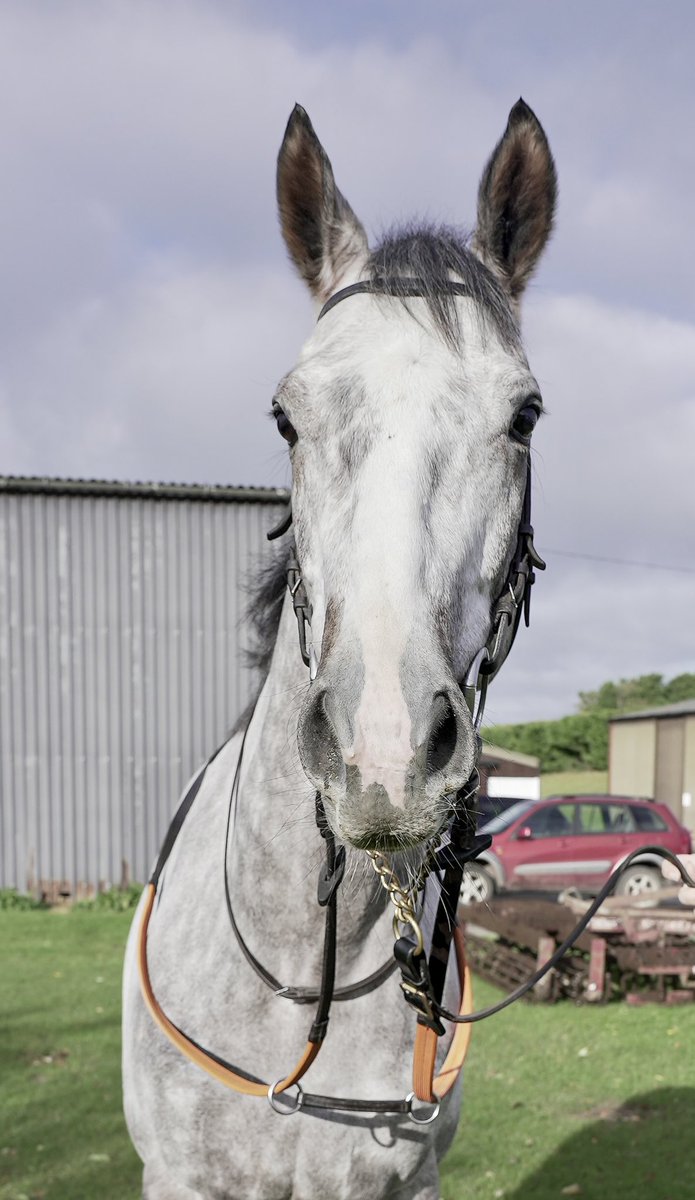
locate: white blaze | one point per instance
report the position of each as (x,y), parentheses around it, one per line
(382,600)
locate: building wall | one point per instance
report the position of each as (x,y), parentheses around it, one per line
(668,776)
(656,757)
(120,671)
(688,799)
(506,777)
(523,787)
(632,758)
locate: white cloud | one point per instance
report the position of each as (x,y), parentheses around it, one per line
(616,450)
(149,310)
(168,378)
(613,477)
(591,623)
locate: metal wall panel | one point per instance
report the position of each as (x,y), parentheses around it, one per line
(121,640)
(670,756)
(632,758)
(688,798)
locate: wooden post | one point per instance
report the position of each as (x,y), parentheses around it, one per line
(596,987)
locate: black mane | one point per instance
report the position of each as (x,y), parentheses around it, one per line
(266,592)
(433,254)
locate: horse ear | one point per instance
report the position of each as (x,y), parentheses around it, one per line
(516,201)
(320,229)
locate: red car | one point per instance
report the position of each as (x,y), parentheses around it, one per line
(574,840)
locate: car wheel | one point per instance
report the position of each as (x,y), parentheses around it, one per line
(477,885)
(638,881)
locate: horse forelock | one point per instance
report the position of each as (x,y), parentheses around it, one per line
(434,255)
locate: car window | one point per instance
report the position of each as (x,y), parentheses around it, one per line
(647,820)
(591,818)
(504,819)
(620,818)
(554,821)
(604,818)
(488,807)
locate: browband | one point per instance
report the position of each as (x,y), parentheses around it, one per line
(404,286)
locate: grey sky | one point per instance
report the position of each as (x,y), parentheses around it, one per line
(148,309)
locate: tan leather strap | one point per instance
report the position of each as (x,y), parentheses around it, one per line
(223,1072)
(426,1087)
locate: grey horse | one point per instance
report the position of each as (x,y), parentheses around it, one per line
(409,421)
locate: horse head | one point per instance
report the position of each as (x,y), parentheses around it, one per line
(409,416)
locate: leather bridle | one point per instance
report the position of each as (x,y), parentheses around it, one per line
(422,975)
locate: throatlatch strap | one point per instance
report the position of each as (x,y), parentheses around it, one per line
(426,1087)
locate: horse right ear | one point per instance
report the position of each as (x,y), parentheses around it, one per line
(516,201)
(320,229)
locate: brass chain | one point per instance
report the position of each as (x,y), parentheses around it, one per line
(404,899)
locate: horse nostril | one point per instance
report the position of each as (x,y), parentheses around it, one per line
(444,735)
(319,748)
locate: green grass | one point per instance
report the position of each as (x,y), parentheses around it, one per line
(62,1135)
(574,783)
(603,1098)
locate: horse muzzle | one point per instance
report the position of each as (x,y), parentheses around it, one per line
(380,792)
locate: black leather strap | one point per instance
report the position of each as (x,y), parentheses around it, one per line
(569,941)
(311,1099)
(298,995)
(342,1104)
(179,818)
(403,287)
(515,597)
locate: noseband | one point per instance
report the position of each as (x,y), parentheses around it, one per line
(422,976)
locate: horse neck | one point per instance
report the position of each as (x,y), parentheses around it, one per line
(277,850)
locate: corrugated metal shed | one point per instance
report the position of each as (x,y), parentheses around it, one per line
(652,753)
(120,664)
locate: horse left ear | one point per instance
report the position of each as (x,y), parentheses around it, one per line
(516,201)
(320,229)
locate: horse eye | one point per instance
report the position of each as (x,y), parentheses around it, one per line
(524,423)
(285,427)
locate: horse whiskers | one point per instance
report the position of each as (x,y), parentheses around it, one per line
(286,827)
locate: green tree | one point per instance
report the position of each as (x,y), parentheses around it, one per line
(643,691)
(681,687)
(580,742)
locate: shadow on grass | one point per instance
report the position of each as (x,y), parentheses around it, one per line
(643,1149)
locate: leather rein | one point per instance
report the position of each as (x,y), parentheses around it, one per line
(422,976)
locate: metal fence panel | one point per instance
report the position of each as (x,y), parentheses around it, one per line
(121,648)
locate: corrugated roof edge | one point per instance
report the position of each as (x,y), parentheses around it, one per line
(214,493)
(524,760)
(682,708)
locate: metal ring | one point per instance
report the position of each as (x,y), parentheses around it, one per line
(414,925)
(283,1111)
(425,1120)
